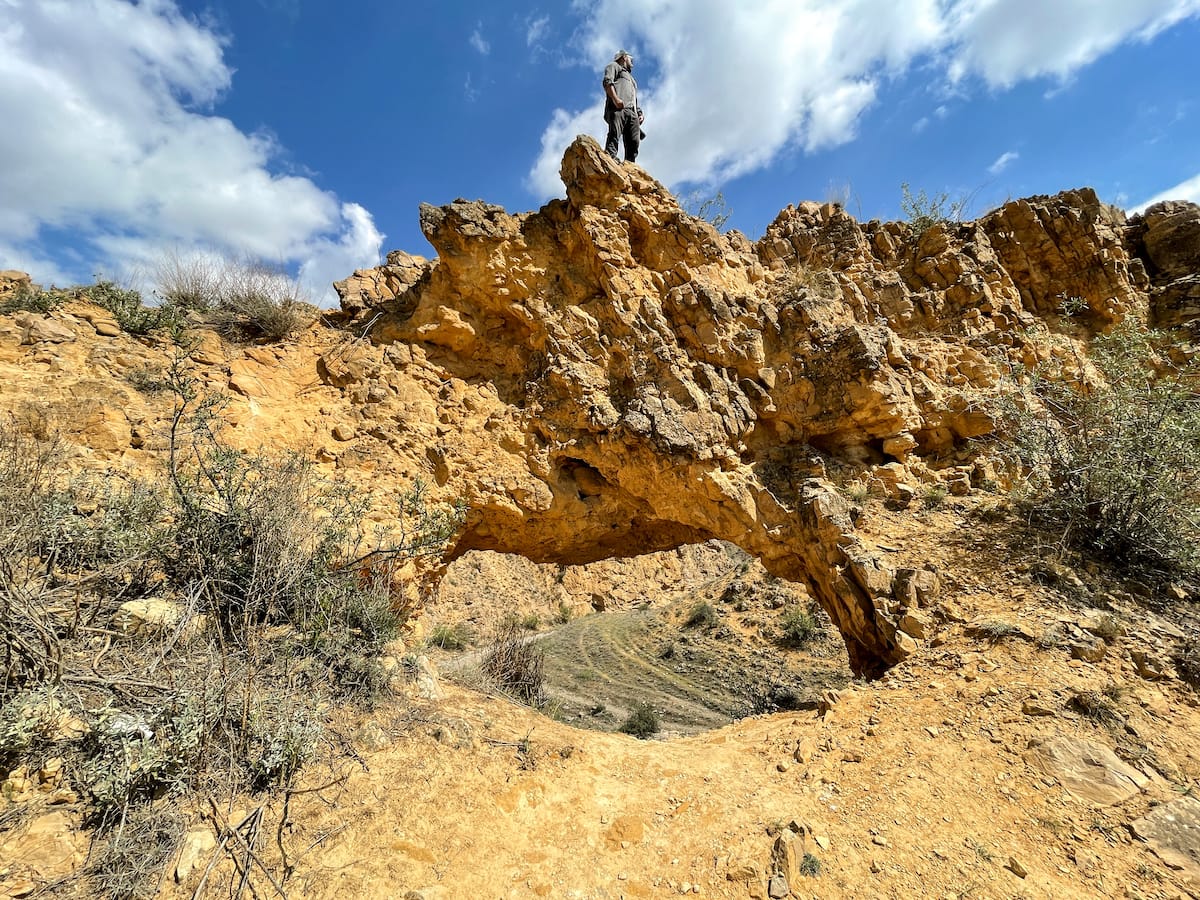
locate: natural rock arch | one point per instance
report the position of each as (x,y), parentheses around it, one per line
(614,376)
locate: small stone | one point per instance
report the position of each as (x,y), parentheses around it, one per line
(1034,707)
(1089,651)
(879,840)
(343,432)
(194,847)
(876,868)
(1014,866)
(783,766)
(777,887)
(1149,666)
(804,750)
(371,737)
(933,732)
(822,841)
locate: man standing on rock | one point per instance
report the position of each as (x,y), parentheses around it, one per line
(621,110)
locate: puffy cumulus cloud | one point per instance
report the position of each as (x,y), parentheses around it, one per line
(107,134)
(1006,41)
(331,259)
(736,85)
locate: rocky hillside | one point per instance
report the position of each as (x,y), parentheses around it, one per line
(612,378)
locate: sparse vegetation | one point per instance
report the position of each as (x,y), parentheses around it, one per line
(923,212)
(450,636)
(996,630)
(857,491)
(1187,661)
(1108,627)
(934,496)
(1095,705)
(642,722)
(148,380)
(713,210)
(1113,461)
(810,866)
(259,602)
(127,308)
(981,851)
(31,299)
(702,615)
(245,299)
(798,627)
(515,665)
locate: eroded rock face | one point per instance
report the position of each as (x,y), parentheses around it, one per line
(632,380)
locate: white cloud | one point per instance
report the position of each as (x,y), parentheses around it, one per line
(479,42)
(331,259)
(106,134)
(1006,41)
(1185,190)
(536,30)
(1004,161)
(736,85)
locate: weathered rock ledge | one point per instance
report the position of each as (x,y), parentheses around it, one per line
(632,380)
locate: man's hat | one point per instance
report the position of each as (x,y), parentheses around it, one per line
(622,53)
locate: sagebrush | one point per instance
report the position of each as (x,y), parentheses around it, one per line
(1113,460)
(277,605)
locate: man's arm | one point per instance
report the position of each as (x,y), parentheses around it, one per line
(610,91)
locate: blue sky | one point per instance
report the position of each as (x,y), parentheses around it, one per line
(306,132)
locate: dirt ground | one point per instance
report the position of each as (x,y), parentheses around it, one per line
(917,785)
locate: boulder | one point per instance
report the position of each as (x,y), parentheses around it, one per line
(1088,771)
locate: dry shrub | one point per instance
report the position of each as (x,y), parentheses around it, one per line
(245,299)
(1187,661)
(296,603)
(515,664)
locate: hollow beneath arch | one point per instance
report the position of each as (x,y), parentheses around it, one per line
(696,633)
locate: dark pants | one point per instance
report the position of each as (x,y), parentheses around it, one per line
(624,124)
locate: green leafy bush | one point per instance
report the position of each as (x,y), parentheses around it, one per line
(450,636)
(31,299)
(702,615)
(798,627)
(643,721)
(283,607)
(127,308)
